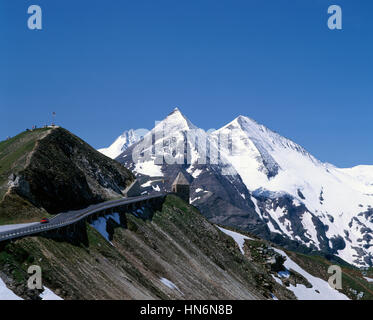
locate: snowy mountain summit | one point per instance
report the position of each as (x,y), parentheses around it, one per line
(247,176)
(332,205)
(124,141)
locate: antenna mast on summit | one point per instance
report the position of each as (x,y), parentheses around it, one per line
(53,118)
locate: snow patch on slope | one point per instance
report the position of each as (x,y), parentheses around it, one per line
(6,293)
(238,237)
(48,294)
(149,168)
(169,284)
(304,293)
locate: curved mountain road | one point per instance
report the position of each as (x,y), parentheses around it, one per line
(70,217)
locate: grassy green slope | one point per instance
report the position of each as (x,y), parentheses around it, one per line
(14,152)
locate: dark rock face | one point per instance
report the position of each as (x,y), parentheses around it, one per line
(224,199)
(133,190)
(65,173)
(227,199)
(367,214)
(338,243)
(295,279)
(293,215)
(300,194)
(218,191)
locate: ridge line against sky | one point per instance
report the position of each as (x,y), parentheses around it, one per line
(107,68)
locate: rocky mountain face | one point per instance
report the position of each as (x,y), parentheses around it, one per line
(174,253)
(216,188)
(168,250)
(247,176)
(58,172)
(165,249)
(301,198)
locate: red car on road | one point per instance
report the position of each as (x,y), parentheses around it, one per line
(44,220)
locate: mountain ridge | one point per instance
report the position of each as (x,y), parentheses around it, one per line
(277,186)
(57,172)
(165,249)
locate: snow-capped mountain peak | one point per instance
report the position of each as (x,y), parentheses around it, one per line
(123,142)
(265,183)
(175,121)
(275,168)
(266,137)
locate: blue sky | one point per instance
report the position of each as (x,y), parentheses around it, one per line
(107,66)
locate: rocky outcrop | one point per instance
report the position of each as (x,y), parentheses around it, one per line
(64,173)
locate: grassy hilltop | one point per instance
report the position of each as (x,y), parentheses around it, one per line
(47,171)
